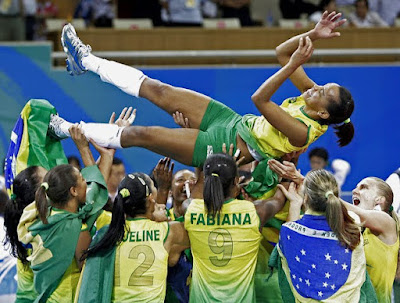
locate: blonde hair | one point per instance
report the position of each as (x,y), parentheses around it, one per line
(384,190)
(321,191)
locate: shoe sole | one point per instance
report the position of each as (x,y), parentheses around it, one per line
(70,61)
(63,34)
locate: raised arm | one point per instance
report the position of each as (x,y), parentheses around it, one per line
(323,29)
(83,244)
(292,128)
(296,201)
(82,144)
(286,170)
(163,176)
(268,208)
(177,236)
(126,118)
(106,159)
(377,221)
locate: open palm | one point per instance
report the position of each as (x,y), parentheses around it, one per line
(328,23)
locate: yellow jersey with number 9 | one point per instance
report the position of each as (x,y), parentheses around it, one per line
(224,249)
(141,262)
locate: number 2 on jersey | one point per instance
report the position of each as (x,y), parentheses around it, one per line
(138,277)
(220,242)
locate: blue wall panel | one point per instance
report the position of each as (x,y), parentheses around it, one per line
(25,73)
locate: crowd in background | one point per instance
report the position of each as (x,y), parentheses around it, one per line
(25,20)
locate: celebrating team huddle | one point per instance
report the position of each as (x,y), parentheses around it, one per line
(218,243)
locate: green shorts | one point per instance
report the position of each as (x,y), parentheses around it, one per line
(217,127)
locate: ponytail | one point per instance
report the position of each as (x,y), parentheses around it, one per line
(345,133)
(341,223)
(24,187)
(322,192)
(55,190)
(131,201)
(214,196)
(339,115)
(220,171)
(42,204)
(12,214)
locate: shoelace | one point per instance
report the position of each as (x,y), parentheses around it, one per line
(79,46)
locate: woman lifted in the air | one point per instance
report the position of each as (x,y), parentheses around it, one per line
(292,126)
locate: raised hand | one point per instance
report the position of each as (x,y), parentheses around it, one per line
(78,136)
(303,52)
(163,173)
(159,213)
(329,22)
(103,151)
(286,170)
(163,177)
(296,201)
(234,156)
(181,120)
(292,194)
(126,118)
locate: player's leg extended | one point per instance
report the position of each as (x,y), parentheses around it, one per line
(191,104)
(132,81)
(176,143)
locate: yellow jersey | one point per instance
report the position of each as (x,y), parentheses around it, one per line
(103,219)
(266,139)
(224,249)
(171,214)
(141,262)
(381,264)
(25,291)
(66,290)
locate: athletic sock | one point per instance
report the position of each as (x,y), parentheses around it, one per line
(126,78)
(106,135)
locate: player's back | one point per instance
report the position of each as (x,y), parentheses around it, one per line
(141,263)
(224,251)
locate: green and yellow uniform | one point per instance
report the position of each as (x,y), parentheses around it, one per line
(103,220)
(141,263)
(171,214)
(54,243)
(266,280)
(221,124)
(224,249)
(266,139)
(66,290)
(381,264)
(25,290)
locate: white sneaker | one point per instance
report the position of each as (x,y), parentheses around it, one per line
(75,50)
(58,127)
